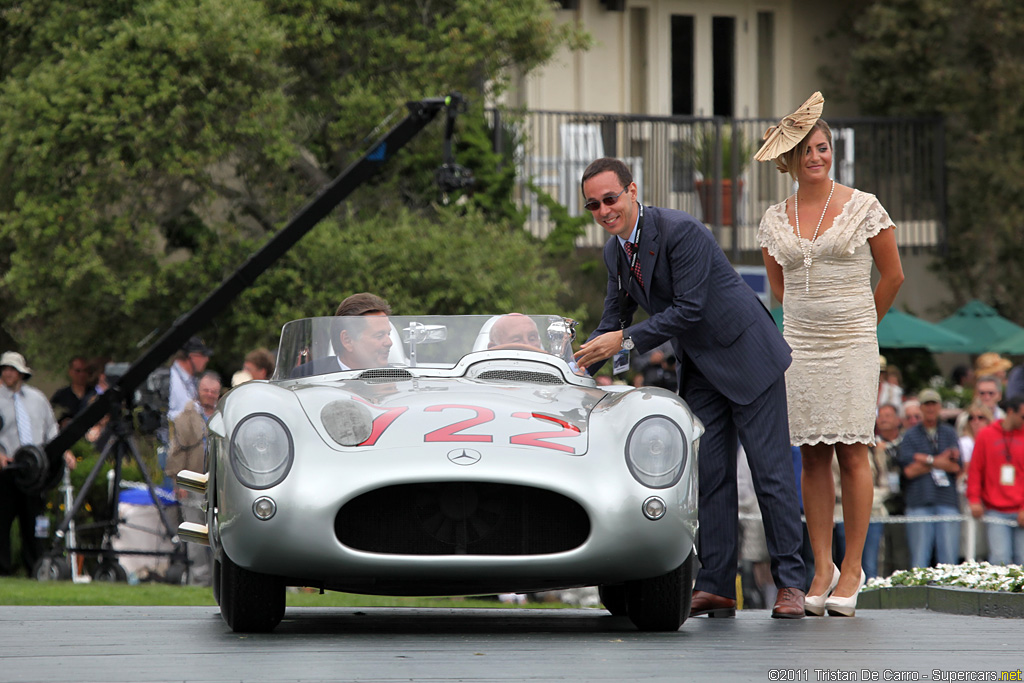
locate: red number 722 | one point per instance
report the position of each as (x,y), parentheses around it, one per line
(455,432)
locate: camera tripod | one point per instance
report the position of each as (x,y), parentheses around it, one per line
(118,445)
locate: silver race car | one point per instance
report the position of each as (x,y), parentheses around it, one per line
(446,455)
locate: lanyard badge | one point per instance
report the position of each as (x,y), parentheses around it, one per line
(620,361)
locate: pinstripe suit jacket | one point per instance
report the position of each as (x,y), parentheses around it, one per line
(695,298)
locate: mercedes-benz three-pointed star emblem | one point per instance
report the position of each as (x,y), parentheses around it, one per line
(464,456)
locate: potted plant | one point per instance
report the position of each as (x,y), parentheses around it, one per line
(718,142)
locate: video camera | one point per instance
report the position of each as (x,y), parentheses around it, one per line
(150,399)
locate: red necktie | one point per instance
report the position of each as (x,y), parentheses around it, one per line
(630,248)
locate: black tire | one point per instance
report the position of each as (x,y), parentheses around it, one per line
(110,571)
(215,580)
(51,569)
(250,602)
(614,599)
(661,603)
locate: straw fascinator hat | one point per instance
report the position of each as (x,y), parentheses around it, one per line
(791,130)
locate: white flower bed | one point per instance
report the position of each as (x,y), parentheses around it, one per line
(975,575)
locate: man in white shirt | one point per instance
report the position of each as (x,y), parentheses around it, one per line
(26,419)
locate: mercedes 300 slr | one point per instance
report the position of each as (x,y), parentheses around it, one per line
(447,459)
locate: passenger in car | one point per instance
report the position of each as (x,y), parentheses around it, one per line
(515,328)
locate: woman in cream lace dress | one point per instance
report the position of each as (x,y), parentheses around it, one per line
(819,246)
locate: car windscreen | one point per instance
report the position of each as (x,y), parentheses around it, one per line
(318,346)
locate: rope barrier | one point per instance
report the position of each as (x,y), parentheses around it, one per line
(904,519)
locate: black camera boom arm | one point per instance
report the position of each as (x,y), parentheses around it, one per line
(420,114)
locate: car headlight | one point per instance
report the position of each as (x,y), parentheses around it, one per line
(656,452)
(261,451)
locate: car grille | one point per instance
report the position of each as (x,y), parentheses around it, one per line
(462,518)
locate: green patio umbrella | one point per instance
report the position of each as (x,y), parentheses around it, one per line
(899,330)
(982,325)
(1012,345)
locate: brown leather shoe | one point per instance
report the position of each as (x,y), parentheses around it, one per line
(789,604)
(714,605)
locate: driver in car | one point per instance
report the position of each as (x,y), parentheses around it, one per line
(515,328)
(361,337)
(363,342)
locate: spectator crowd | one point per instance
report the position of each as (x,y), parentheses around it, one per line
(27,418)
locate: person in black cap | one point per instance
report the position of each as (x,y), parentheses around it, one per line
(188,364)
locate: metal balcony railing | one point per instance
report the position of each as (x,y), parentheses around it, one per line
(678,162)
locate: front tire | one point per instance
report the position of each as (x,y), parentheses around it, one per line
(215,580)
(613,597)
(661,603)
(250,602)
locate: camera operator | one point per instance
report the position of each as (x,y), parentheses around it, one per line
(189,363)
(188,452)
(26,419)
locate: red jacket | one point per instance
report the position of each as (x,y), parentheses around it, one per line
(990,454)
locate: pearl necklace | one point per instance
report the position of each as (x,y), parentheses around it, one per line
(807,248)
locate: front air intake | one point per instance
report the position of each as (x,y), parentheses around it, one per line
(520,376)
(385,374)
(462,518)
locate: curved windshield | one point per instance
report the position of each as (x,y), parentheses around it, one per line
(318,346)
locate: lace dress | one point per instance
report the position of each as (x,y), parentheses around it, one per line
(832,384)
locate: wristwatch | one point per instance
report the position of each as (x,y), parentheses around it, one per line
(930,460)
(627,343)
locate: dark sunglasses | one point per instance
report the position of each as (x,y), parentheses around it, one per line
(595,204)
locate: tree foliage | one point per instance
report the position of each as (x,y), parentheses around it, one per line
(960,59)
(149,146)
(422,262)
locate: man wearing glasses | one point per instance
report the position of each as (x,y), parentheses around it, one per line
(988,389)
(732,364)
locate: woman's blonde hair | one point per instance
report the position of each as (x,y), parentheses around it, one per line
(789,161)
(977,408)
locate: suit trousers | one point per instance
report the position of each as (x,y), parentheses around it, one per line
(763,428)
(15,504)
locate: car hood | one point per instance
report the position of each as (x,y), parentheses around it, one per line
(362,414)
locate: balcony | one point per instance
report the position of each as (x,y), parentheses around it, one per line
(677,161)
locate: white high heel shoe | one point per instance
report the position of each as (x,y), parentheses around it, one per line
(814,605)
(845,607)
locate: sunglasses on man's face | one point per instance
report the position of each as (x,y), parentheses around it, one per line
(595,204)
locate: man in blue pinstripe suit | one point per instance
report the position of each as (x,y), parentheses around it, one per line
(732,364)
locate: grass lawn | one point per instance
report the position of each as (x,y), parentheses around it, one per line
(17,591)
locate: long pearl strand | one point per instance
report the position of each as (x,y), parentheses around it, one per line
(810,245)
